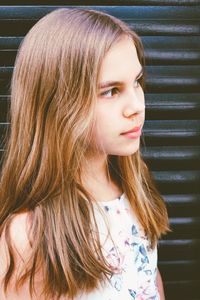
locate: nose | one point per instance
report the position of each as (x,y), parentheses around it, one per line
(134,104)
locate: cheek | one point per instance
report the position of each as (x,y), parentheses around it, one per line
(103,129)
(105,118)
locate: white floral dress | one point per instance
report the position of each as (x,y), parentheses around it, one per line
(130,253)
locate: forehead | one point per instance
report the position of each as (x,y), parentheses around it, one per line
(120,62)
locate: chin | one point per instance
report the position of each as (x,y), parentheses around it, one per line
(127,150)
(128,153)
(132,148)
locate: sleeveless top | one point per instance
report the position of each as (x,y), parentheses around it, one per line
(128,250)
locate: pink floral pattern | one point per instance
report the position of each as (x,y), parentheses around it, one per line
(130,254)
(127,251)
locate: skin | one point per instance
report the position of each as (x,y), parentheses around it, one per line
(160,285)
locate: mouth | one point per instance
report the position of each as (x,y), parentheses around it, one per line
(134,130)
(133,134)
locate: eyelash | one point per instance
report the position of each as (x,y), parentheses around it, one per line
(139,80)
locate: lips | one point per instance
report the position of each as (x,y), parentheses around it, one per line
(135,129)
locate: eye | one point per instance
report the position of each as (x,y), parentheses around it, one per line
(136,83)
(139,82)
(110,92)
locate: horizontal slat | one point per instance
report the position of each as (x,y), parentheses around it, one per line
(177,182)
(171,42)
(172,153)
(162,27)
(108,2)
(172,106)
(6,72)
(5,85)
(183,205)
(29,12)
(180,199)
(171,132)
(3,128)
(10,42)
(176,177)
(4,108)
(7,57)
(170,79)
(178,249)
(183,290)
(183,228)
(167,57)
(14,27)
(174,71)
(180,270)
(172,157)
(5,78)
(137,13)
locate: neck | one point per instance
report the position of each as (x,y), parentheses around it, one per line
(97,180)
(96,169)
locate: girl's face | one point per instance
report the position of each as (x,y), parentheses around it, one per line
(121,106)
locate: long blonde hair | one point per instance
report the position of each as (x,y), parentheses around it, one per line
(53,101)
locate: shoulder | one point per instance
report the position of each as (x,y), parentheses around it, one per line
(19,232)
(19,241)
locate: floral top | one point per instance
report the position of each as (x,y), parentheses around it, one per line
(129,252)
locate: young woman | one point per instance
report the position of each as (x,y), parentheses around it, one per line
(79,214)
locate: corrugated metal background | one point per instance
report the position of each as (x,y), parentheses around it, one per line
(170,32)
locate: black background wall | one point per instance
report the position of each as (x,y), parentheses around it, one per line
(170,31)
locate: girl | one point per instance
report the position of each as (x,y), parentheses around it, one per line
(79,214)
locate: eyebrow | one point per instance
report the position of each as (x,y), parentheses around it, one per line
(118,83)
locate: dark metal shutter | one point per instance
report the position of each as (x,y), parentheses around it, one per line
(170,31)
